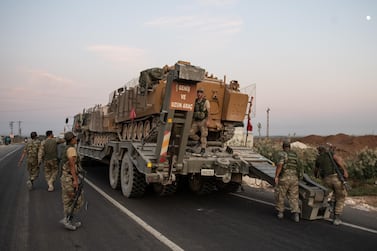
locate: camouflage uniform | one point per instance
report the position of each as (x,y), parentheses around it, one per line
(288,182)
(48,153)
(331,180)
(31,150)
(199,123)
(68,190)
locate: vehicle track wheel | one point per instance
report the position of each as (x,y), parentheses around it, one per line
(147,128)
(140,130)
(129,131)
(132,181)
(114,171)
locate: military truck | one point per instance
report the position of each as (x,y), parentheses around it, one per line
(143,135)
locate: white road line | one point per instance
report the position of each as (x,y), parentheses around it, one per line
(272,204)
(252,199)
(10,153)
(138,220)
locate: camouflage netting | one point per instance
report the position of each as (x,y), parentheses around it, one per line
(150,77)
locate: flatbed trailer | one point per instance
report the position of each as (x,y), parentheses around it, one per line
(133,165)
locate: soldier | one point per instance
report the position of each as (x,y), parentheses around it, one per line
(48,153)
(69,181)
(31,151)
(324,168)
(200,120)
(286,181)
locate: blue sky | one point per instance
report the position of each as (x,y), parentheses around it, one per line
(313,61)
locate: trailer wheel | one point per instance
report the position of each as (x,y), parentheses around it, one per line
(230,187)
(200,185)
(132,181)
(114,171)
(166,190)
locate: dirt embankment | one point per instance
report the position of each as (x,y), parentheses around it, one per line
(345,144)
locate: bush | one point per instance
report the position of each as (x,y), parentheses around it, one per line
(364,165)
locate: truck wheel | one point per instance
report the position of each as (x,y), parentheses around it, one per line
(166,190)
(230,187)
(132,181)
(114,171)
(200,185)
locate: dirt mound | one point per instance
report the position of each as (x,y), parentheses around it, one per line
(345,144)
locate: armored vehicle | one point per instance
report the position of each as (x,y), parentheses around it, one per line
(143,135)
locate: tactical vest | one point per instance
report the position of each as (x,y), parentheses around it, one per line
(291,164)
(65,159)
(325,165)
(32,148)
(200,110)
(50,149)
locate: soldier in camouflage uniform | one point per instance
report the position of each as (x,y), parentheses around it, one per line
(286,181)
(324,168)
(48,153)
(70,181)
(200,120)
(31,151)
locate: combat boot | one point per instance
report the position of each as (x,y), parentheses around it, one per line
(50,186)
(337,221)
(296,217)
(280,215)
(65,221)
(29,184)
(68,224)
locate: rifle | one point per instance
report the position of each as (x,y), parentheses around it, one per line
(339,173)
(77,195)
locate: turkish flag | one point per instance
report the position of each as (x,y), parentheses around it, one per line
(132,114)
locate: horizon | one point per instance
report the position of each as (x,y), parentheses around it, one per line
(312,62)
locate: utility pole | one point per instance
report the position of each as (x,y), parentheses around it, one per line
(259,128)
(11,127)
(268,122)
(19,128)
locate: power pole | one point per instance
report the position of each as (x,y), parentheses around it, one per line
(19,128)
(11,127)
(268,122)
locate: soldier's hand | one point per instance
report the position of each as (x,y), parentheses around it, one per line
(75,184)
(276,180)
(345,174)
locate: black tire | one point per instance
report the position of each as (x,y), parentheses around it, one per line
(114,171)
(132,181)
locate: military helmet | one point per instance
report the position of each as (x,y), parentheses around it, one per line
(200,90)
(286,143)
(68,136)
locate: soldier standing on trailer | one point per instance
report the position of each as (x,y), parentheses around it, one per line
(200,120)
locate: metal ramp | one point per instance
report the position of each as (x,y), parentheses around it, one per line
(313,196)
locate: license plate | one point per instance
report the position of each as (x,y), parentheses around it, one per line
(207,172)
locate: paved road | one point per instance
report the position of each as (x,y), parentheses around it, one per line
(242,221)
